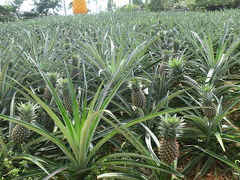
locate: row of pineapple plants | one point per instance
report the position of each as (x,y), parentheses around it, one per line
(173,65)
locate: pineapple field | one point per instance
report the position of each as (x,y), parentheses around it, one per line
(121,95)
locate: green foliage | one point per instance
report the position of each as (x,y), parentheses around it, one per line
(104,133)
(138,2)
(43,7)
(159,5)
(111,5)
(129,7)
(5,14)
(216,4)
(14,163)
(16,4)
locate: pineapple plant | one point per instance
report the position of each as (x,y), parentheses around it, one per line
(137,95)
(170,129)
(210,108)
(177,72)
(53,79)
(27,112)
(67,101)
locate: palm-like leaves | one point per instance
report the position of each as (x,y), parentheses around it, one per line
(209,139)
(215,63)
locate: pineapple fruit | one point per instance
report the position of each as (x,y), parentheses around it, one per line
(53,79)
(20,134)
(210,108)
(67,101)
(27,112)
(137,95)
(170,129)
(74,70)
(162,68)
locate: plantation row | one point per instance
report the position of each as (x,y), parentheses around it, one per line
(132,95)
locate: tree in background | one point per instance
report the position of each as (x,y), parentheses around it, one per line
(16,5)
(216,4)
(138,2)
(157,5)
(44,6)
(5,13)
(111,5)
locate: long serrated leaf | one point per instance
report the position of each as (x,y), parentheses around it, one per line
(141,164)
(34,159)
(220,157)
(155,139)
(84,143)
(219,138)
(119,176)
(2,78)
(54,172)
(149,145)
(76,115)
(205,168)
(134,122)
(192,163)
(30,174)
(167,98)
(12,114)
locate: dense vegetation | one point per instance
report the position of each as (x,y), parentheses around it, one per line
(134,95)
(10,12)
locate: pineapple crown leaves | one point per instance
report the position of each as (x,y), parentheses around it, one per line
(170,127)
(207,93)
(177,65)
(27,111)
(136,83)
(74,60)
(64,86)
(53,77)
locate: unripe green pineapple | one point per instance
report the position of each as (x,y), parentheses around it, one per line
(74,70)
(211,111)
(175,46)
(170,129)
(67,101)
(53,79)
(27,112)
(209,107)
(162,68)
(20,134)
(137,95)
